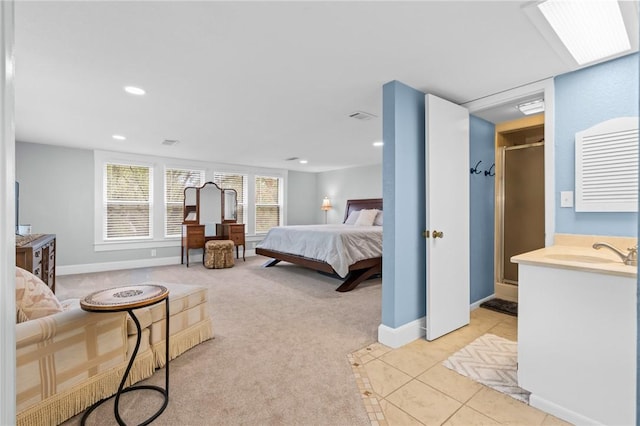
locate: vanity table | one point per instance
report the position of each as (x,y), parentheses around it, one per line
(577,330)
(206,209)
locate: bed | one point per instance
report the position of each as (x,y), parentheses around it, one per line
(354,253)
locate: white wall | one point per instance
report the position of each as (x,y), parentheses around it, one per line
(346,184)
(57,197)
(302,201)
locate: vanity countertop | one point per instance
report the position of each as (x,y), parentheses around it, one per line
(577,253)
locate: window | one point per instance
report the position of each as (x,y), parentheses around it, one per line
(138,200)
(268,203)
(127,201)
(237,182)
(175,181)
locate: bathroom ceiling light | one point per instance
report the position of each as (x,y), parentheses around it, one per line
(531,107)
(134,90)
(118,137)
(590,30)
(378,143)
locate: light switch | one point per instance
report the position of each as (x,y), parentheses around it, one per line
(566,198)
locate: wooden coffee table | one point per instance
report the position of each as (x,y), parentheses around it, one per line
(128,298)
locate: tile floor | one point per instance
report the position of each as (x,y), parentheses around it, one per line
(410,386)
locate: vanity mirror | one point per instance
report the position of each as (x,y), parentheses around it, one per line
(229,206)
(205,210)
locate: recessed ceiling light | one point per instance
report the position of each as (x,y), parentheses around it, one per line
(303,161)
(134,90)
(118,137)
(531,107)
(378,143)
(590,30)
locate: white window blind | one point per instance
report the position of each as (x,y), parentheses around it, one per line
(127,201)
(237,182)
(175,181)
(268,203)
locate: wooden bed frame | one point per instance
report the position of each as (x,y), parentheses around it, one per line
(358,272)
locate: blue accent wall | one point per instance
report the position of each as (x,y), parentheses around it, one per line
(403,192)
(482,210)
(584,98)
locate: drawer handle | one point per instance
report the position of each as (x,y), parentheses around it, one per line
(36,254)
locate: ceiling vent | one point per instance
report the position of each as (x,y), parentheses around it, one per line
(361,115)
(292,159)
(169,142)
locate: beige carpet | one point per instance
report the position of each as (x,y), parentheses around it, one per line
(493,361)
(280,352)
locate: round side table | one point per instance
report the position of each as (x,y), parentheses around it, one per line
(128,298)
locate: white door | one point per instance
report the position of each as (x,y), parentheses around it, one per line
(447,185)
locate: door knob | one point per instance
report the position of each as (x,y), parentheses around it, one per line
(425,234)
(436,234)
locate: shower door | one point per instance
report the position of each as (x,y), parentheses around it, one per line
(523,207)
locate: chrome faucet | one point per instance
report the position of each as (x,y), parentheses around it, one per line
(629,258)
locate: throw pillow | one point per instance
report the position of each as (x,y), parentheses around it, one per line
(34,299)
(378,221)
(366,217)
(353,216)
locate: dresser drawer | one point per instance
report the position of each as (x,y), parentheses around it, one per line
(37,254)
(237,239)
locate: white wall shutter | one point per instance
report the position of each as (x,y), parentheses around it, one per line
(607,167)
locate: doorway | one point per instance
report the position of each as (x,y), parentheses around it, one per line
(520,198)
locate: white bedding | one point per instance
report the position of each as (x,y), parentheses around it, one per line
(338,245)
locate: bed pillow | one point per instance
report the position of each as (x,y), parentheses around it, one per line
(378,219)
(366,217)
(353,216)
(34,299)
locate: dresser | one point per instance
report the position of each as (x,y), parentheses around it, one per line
(233,232)
(37,254)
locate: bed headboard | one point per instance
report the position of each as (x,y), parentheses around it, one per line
(368,203)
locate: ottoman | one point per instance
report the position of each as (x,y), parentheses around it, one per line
(218,254)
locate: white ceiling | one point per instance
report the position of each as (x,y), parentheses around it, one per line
(255,83)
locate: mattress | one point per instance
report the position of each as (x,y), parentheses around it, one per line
(338,245)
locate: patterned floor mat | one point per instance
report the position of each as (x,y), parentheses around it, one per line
(492,361)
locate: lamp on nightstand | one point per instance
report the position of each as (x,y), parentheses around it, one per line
(326,206)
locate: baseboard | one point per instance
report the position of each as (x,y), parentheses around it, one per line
(400,336)
(506,292)
(560,412)
(476,305)
(114,266)
(407,333)
(88,268)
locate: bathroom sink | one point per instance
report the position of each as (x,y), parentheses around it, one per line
(579,258)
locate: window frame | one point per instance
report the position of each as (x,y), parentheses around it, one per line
(280,203)
(166,203)
(103,202)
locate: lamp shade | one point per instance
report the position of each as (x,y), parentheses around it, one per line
(326,204)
